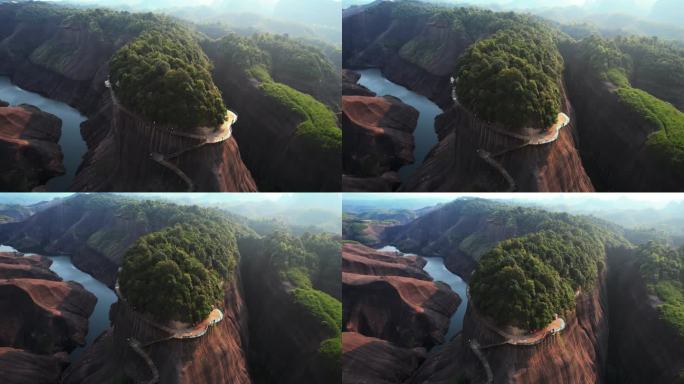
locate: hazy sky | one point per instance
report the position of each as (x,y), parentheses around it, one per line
(657,199)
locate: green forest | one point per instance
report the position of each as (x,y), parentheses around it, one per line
(525,281)
(662,267)
(165,76)
(274,60)
(512,78)
(177,273)
(311,264)
(621,59)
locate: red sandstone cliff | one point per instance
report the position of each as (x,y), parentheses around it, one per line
(29,151)
(377,138)
(42,318)
(216,357)
(456,162)
(643,347)
(576,355)
(41,313)
(120,158)
(392,312)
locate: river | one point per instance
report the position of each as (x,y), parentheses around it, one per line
(436,269)
(71,141)
(425,136)
(98,321)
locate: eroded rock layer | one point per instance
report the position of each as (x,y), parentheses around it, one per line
(29,151)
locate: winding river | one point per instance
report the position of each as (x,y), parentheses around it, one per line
(98,321)
(71,141)
(436,269)
(425,136)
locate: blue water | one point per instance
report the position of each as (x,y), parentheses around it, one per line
(436,269)
(424,135)
(99,319)
(71,141)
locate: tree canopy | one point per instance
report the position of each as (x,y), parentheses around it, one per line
(512,78)
(177,273)
(164,75)
(525,281)
(662,268)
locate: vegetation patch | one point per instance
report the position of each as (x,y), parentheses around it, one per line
(177,273)
(512,78)
(274,60)
(322,307)
(164,76)
(662,267)
(619,59)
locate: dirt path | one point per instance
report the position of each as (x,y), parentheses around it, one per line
(545,137)
(206,135)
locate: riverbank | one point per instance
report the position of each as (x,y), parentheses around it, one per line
(436,269)
(424,134)
(71,142)
(98,321)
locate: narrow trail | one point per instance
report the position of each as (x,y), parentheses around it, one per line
(207,135)
(137,347)
(475,347)
(545,137)
(199,330)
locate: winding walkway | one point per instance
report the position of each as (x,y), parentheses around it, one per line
(556,326)
(206,136)
(197,331)
(544,137)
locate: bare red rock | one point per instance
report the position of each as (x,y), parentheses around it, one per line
(29,151)
(217,357)
(372,360)
(21,367)
(394,301)
(359,259)
(454,164)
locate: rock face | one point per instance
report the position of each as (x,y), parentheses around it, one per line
(378,134)
(613,136)
(42,318)
(371,38)
(21,367)
(372,360)
(120,158)
(643,348)
(68,61)
(392,310)
(576,355)
(29,151)
(377,137)
(289,162)
(287,354)
(216,357)
(457,163)
(42,314)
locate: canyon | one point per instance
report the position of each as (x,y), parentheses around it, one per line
(377,138)
(45,319)
(29,153)
(64,59)
(613,334)
(96,232)
(419,46)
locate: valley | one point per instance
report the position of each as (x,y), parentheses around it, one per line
(152,291)
(500,79)
(67,55)
(544,299)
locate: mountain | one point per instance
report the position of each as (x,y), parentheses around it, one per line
(552,298)
(200,296)
(506,126)
(177,135)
